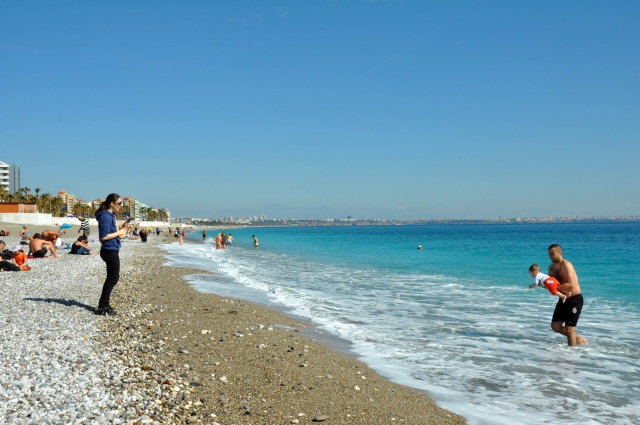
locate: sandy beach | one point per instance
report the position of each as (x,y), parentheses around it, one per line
(200,358)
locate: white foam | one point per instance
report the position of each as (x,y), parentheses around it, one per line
(480,350)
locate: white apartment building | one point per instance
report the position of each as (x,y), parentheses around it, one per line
(10,177)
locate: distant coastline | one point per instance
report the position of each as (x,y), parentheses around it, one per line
(340,222)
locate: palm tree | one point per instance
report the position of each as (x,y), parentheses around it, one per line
(125,211)
(56,205)
(37,189)
(22,193)
(78,209)
(45,201)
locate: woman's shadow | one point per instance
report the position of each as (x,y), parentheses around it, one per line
(68,303)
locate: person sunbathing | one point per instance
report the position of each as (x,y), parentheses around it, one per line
(25,234)
(38,247)
(50,235)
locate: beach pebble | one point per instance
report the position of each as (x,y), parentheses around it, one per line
(319,418)
(62,364)
(357,388)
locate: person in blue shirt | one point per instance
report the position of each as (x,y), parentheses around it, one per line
(109,235)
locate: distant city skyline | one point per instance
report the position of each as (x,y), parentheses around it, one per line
(395,110)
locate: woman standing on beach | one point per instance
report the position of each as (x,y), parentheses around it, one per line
(109,235)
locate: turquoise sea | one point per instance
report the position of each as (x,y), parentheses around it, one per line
(456,319)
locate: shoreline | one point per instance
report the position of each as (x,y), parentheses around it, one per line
(310,329)
(195,357)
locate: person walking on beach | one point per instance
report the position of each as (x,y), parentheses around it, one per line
(541,279)
(219,241)
(255,241)
(566,315)
(109,235)
(230,240)
(225,239)
(204,235)
(84,226)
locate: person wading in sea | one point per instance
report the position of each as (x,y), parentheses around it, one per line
(566,315)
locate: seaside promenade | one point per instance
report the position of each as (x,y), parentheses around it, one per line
(172,355)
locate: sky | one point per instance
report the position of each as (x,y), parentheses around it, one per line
(301,109)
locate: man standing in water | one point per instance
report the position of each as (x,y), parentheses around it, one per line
(566,315)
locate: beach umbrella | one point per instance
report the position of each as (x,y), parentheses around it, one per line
(66,226)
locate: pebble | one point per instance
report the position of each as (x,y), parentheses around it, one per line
(60,363)
(319,418)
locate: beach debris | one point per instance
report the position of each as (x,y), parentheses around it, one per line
(357,388)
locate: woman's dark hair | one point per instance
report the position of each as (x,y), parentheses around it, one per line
(113,197)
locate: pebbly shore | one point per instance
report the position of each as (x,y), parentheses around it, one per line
(173,355)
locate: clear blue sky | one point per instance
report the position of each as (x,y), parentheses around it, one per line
(376,109)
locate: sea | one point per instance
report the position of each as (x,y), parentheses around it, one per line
(457,319)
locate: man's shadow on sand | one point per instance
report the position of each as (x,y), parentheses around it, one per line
(68,303)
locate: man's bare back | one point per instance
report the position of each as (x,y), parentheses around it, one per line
(38,244)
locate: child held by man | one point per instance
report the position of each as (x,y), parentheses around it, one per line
(551,283)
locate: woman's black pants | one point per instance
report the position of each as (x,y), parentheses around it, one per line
(112,260)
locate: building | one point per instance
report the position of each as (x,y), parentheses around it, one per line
(10,177)
(68,199)
(133,205)
(17,207)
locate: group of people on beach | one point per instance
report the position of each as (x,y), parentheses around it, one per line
(561,280)
(109,233)
(223,240)
(14,260)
